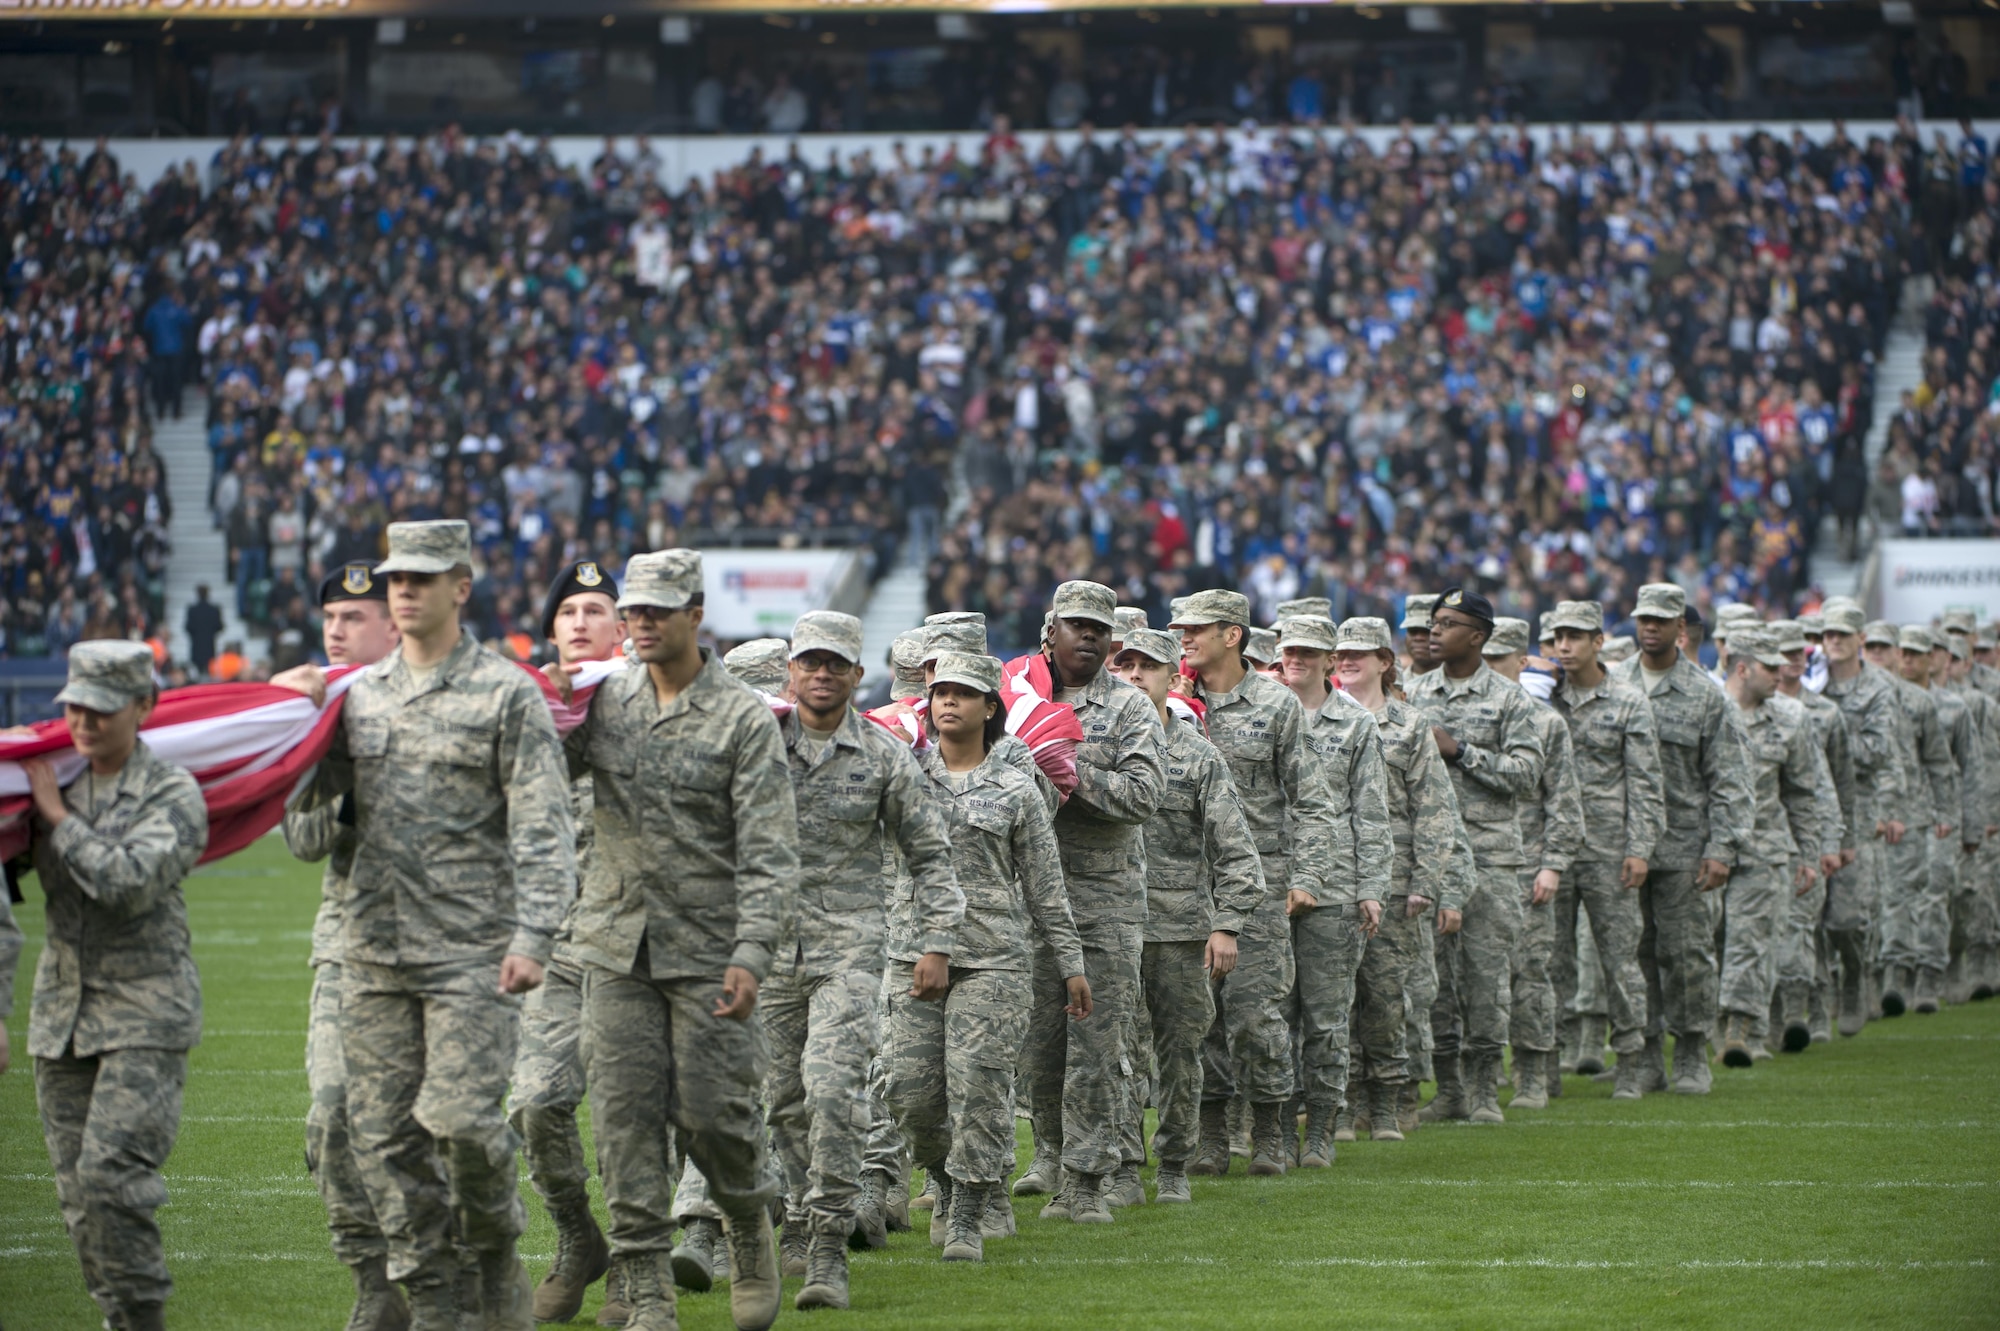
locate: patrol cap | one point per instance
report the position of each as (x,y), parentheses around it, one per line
(1086,600)
(1661,600)
(1126,618)
(1791,635)
(1314,632)
(1988,634)
(1470,604)
(760,663)
(1261,646)
(827,631)
(663,580)
(437,546)
(974,670)
(1363,633)
(1956,644)
(906,660)
(353,581)
(1618,647)
(1509,636)
(1215,606)
(1958,621)
(105,674)
(1158,644)
(1840,615)
(954,631)
(584,576)
(1881,633)
(1758,643)
(1585,615)
(1417,611)
(1812,624)
(1915,638)
(1174,608)
(1732,617)
(1305,605)
(1547,637)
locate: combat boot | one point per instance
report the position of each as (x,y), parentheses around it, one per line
(1552,1075)
(581,1258)
(1633,1074)
(1240,1130)
(651,1289)
(434,1305)
(1896,991)
(926,1197)
(871,1227)
(944,1185)
(1408,1096)
(1853,996)
(1212,1159)
(1123,1188)
(1979,963)
(1270,1153)
(1322,1131)
(1483,1084)
(1957,981)
(826,1272)
(964,1239)
(1590,1045)
(1794,1000)
(1530,1091)
(753,1271)
(1044,1173)
(1449,1102)
(1652,1065)
(1692,1075)
(616,1309)
(1343,1127)
(1086,1199)
(505,1296)
(1359,1106)
(1924,992)
(896,1203)
(1383,1098)
(142,1317)
(998,1222)
(378,1304)
(694,1257)
(1736,1041)
(792,1247)
(1171,1184)
(1569,1038)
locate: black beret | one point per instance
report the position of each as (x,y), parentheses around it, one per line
(585,575)
(1468,603)
(1692,617)
(353,581)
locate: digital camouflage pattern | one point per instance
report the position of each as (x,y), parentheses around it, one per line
(1422,806)
(1500,758)
(1874,720)
(1786,769)
(1706,775)
(1551,834)
(1202,870)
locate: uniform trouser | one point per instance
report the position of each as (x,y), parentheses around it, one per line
(1802,940)
(1475,968)
(658,1060)
(109,1122)
(824,1030)
(1079,1073)
(886,1149)
(548,1087)
(428,1050)
(1983,923)
(1752,905)
(950,1068)
(1971,905)
(1180,1008)
(1532,1023)
(1249,1046)
(1677,953)
(1327,946)
(1380,1048)
(1590,998)
(1420,989)
(1592,887)
(1908,901)
(357,1236)
(1918,933)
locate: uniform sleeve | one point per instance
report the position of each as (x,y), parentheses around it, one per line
(1875,746)
(1237,874)
(1831,824)
(1732,790)
(1308,801)
(1368,811)
(333,776)
(1039,865)
(1840,764)
(1460,874)
(1971,776)
(767,839)
(1934,752)
(128,872)
(10,953)
(310,833)
(1798,788)
(541,834)
(1436,834)
(1645,785)
(1127,789)
(1562,804)
(918,825)
(1516,769)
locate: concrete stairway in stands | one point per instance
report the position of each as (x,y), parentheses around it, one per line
(200,553)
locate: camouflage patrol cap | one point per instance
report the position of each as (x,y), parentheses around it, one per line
(906,661)
(1841,615)
(1261,646)
(1915,638)
(1757,643)
(428,547)
(1791,634)
(1174,608)
(974,670)
(1510,635)
(1547,636)
(1661,600)
(1812,624)
(1989,634)
(1585,615)
(760,663)
(1086,600)
(663,580)
(1956,644)
(1158,644)
(1126,618)
(1314,632)
(1618,647)
(827,631)
(1958,621)
(954,631)
(1733,617)
(1881,633)
(1215,606)
(1417,611)
(1318,606)
(1362,633)
(106,674)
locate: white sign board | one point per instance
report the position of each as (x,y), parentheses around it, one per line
(761,593)
(1920,580)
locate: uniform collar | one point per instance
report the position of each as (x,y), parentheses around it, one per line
(394,671)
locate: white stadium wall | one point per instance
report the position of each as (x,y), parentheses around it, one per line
(1916,581)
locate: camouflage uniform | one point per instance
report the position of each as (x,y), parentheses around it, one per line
(1914,921)
(1080,1075)
(1551,833)
(1974,926)
(1804,978)
(1948,861)
(117,1003)
(1624,815)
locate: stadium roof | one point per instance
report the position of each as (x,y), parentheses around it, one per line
(610,10)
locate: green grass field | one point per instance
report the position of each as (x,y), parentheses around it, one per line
(1857,1184)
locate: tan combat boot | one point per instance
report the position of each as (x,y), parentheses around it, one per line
(753,1271)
